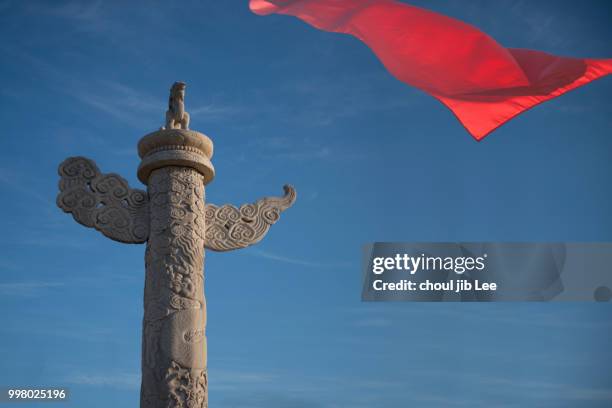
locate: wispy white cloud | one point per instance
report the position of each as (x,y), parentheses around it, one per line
(296,261)
(547,390)
(127,104)
(46,230)
(16,182)
(117,380)
(548,317)
(236,380)
(31,288)
(84,17)
(42,325)
(323,101)
(319,101)
(298,149)
(51,240)
(122,102)
(131,98)
(537,26)
(214,111)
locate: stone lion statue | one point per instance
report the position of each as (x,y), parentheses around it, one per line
(176,117)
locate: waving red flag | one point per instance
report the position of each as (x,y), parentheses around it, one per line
(481,82)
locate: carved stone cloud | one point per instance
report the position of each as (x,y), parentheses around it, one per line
(228,227)
(103,201)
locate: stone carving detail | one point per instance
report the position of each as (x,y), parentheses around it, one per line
(103,201)
(228,227)
(174,341)
(194,335)
(176,116)
(188,388)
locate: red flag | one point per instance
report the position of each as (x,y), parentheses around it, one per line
(481,82)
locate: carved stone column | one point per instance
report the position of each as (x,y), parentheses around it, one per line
(174,221)
(175,166)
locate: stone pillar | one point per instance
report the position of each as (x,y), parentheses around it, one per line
(174,221)
(176,167)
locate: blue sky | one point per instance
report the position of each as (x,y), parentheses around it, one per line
(372,160)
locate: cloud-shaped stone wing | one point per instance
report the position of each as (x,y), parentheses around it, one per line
(103,201)
(228,227)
